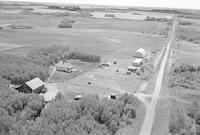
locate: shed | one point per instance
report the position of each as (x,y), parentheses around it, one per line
(35,85)
(64,66)
(137,62)
(140,53)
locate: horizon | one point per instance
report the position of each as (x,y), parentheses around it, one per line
(178,4)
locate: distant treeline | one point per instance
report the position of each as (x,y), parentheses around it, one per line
(36,63)
(70,8)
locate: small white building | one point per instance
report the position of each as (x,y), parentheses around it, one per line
(140,53)
(137,62)
(64,66)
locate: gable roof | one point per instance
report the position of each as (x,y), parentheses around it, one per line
(35,83)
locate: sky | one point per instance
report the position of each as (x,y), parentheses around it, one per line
(188,4)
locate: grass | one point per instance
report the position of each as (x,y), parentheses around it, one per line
(80,66)
(91,33)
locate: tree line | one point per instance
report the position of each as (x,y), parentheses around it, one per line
(18,69)
(24,114)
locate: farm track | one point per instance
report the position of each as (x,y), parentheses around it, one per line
(150,113)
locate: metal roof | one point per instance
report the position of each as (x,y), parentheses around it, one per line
(35,83)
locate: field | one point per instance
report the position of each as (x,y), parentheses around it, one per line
(114,39)
(109,38)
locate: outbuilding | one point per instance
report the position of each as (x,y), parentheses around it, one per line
(137,62)
(140,53)
(64,66)
(35,85)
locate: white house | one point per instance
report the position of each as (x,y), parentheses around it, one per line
(64,66)
(137,62)
(140,53)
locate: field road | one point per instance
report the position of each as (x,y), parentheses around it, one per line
(150,114)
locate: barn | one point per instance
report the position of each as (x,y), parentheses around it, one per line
(137,62)
(35,85)
(64,67)
(140,53)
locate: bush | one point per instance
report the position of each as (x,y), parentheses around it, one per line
(54,7)
(148,18)
(19,26)
(65,25)
(109,15)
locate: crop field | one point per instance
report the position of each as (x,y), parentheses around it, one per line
(86,57)
(112,39)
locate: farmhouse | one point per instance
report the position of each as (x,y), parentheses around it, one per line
(64,67)
(35,85)
(140,53)
(137,62)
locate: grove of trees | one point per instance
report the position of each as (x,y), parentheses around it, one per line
(24,114)
(187,121)
(185,76)
(18,69)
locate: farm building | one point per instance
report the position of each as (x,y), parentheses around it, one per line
(137,62)
(64,66)
(140,53)
(35,85)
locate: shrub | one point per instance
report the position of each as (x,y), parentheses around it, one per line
(109,15)
(19,26)
(148,18)
(54,7)
(65,25)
